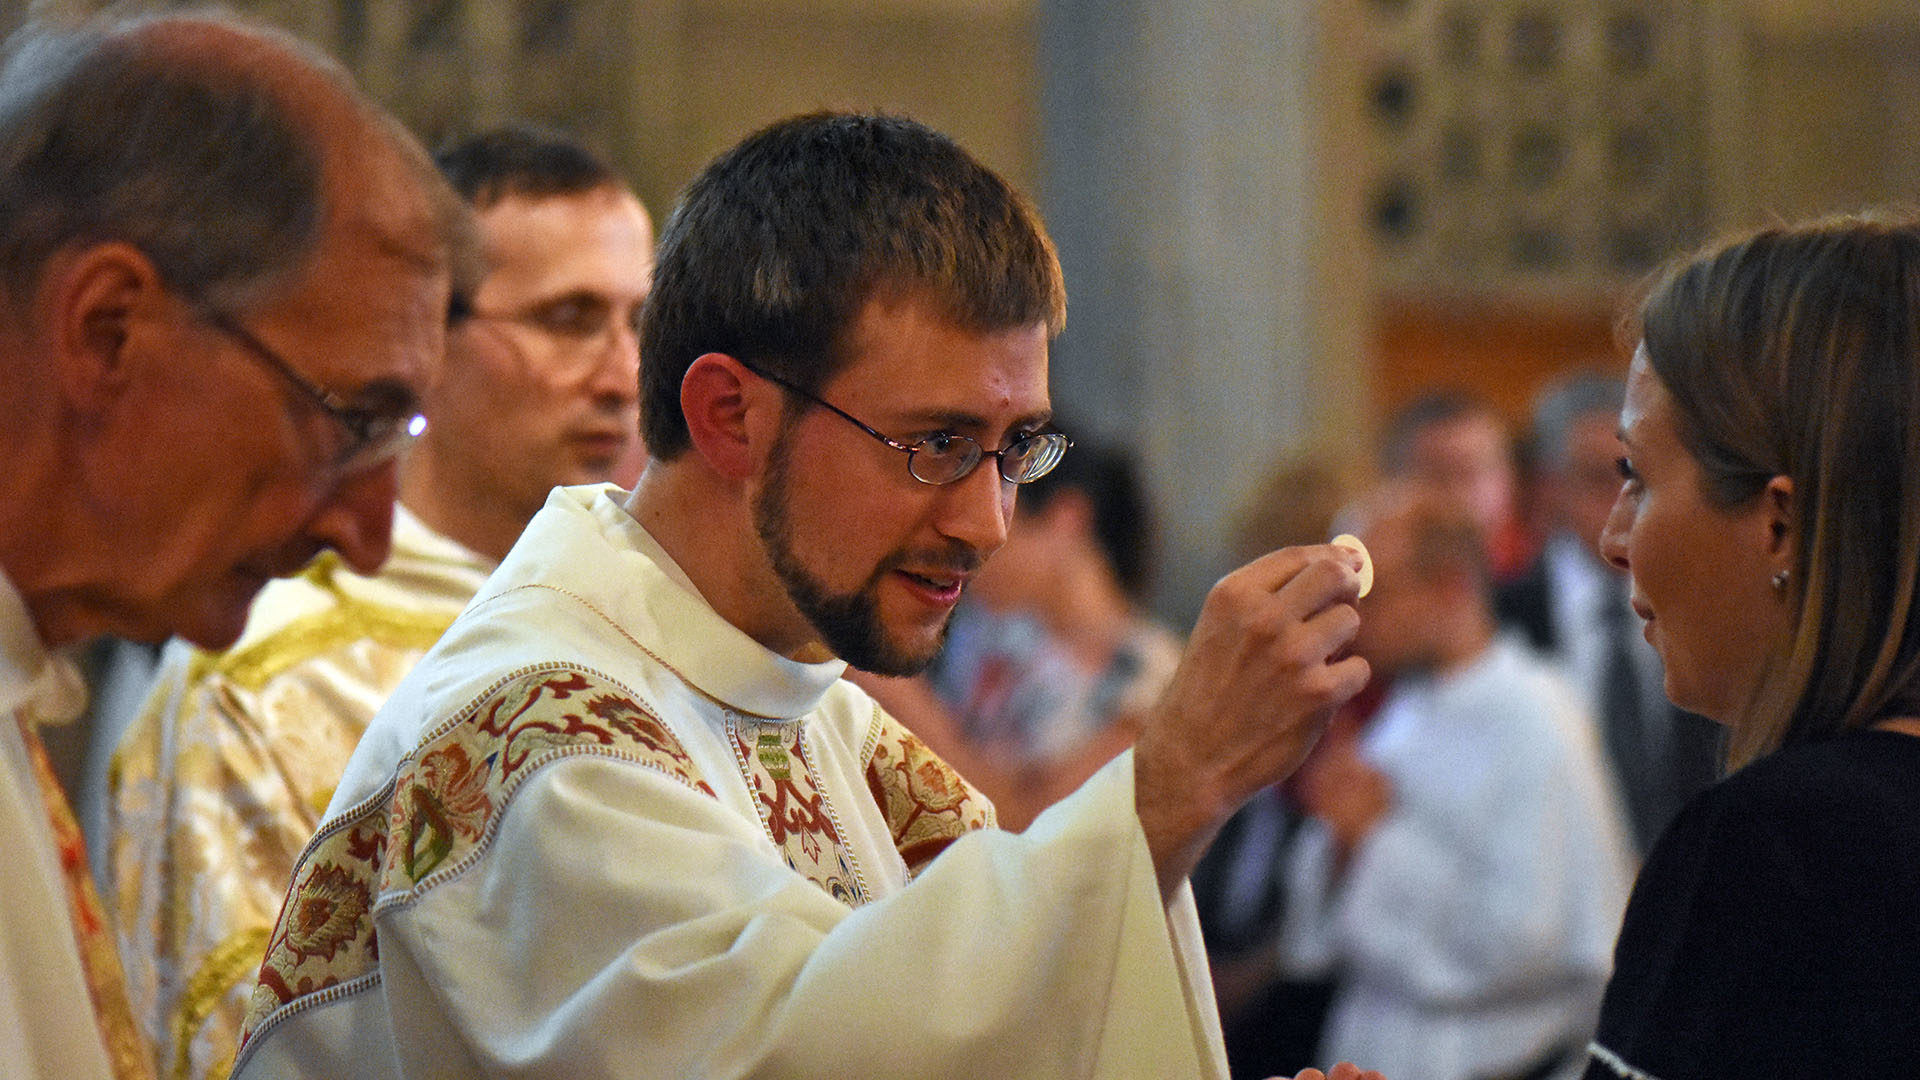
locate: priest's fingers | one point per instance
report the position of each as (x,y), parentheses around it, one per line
(1263,668)
(1262,659)
(1346,1070)
(1300,575)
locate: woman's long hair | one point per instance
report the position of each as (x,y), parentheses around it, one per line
(1792,351)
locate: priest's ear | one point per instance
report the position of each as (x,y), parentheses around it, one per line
(733,415)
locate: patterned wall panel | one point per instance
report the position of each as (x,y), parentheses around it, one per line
(1528,144)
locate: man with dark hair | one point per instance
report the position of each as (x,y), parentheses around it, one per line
(522,160)
(224,272)
(221,780)
(627,819)
(542,381)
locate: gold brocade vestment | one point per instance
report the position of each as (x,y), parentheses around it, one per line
(221,780)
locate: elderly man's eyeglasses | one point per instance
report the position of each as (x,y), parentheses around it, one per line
(375,434)
(947,457)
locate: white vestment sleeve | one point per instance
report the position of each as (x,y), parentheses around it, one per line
(623,925)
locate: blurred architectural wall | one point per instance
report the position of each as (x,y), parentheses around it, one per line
(1527,162)
(663,85)
(1279,219)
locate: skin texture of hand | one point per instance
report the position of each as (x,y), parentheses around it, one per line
(1346,1070)
(1263,670)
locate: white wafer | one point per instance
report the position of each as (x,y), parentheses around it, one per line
(1352,543)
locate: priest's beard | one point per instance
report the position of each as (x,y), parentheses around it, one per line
(849,622)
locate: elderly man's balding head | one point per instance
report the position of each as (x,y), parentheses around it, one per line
(224,152)
(226,276)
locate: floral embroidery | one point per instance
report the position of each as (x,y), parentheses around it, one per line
(935,787)
(793,806)
(99,958)
(927,804)
(324,914)
(441,808)
(446,802)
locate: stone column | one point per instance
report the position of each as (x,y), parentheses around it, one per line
(1215,298)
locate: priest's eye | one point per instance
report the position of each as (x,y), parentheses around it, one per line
(941,443)
(1624,466)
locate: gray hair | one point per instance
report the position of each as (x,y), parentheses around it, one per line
(1565,402)
(105,136)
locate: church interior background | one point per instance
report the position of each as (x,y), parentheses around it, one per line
(1278,220)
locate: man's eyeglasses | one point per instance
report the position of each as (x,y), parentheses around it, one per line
(375,434)
(582,323)
(947,457)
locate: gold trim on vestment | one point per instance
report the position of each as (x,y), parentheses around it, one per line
(251,667)
(232,960)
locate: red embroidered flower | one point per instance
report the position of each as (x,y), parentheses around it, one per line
(934,786)
(460,786)
(446,800)
(328,911)
(635,723)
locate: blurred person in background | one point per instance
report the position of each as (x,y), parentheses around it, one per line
(221,780)
(1465,872)
(226,277)
(1051,659)
(1271,1017)
(1770,521)
(1455,443)
(1572,606)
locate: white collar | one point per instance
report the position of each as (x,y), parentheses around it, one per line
(30,675)
(635,584)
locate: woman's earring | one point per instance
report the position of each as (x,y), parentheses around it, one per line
(1779,581)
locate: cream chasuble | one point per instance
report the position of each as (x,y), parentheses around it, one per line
(222,779)
(599,832)
(48,1026)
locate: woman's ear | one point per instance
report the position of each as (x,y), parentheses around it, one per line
(1778,510)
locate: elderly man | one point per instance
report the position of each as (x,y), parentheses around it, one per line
(225,276)
(627,819)
(221,781)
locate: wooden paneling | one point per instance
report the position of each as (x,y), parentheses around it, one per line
(1502,351)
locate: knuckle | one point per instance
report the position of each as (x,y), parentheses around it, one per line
(1226,601)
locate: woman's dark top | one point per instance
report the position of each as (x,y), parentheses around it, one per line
(1775,928)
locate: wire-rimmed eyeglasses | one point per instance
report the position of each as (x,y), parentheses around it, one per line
(947,457)
(375,434)
(581,324)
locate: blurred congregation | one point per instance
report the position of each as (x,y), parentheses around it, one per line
(1358,266)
